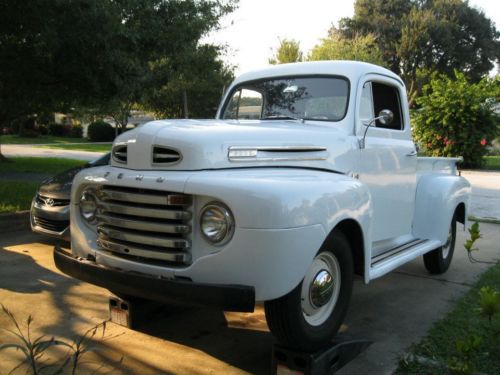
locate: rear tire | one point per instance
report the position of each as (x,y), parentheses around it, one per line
(438,261)
(310,315)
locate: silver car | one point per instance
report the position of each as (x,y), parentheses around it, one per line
(50,207)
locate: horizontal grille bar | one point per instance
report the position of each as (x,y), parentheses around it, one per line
(130,249)
(127,209)
(52,225)
(147,198)
(144,225)
(146,239)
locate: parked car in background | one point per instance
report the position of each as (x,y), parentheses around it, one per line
(50,207)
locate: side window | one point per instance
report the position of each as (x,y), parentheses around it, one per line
(366,104)
(387,97)
(245,104)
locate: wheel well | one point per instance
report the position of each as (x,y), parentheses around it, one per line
(354,235)
(460,213)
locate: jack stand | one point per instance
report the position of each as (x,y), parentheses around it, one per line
(131,312)
(325,361)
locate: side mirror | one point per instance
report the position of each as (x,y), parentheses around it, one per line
(385,117)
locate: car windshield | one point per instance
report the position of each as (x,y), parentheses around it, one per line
(304,98)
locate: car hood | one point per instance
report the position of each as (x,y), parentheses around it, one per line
(220,144)
(59,186)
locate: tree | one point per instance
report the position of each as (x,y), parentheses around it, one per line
(57,54)
(338,47)
(194,86)
(288,51)
(457,117)
(427,35)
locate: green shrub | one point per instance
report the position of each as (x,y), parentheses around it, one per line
(76,131)
(100,131)
(57,130)
(456,118)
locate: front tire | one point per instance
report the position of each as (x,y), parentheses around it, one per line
(438,261)
(310,315)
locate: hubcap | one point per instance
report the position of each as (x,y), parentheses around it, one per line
(320,289)
(445,250)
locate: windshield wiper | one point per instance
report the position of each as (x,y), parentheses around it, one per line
(282,117)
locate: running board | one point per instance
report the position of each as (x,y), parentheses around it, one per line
(384,264)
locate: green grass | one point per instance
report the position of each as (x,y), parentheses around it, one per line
(16,140)
(16,196)
(81,147)
(492,163)
(38,165)
(463,321)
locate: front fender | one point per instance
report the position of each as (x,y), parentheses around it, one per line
(438,195)
(274,198)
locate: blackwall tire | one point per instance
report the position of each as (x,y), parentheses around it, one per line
(438,261)
(310,315)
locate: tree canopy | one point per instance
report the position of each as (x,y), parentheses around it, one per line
(427,35)
(102,54)
(338,47)
(288,51)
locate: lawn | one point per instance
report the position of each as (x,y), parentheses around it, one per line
(16,140)
(492,163)
(16,196)
(82,147)
(38,165)
(438,350)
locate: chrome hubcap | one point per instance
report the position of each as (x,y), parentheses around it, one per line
(320,289)
(445,250)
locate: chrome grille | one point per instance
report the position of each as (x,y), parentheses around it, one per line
(146,225)
(120,153)
(165,155)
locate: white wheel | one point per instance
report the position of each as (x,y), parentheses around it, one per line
(320,289)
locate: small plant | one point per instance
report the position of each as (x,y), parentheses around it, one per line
(489,303)
(467,349)
(35,350)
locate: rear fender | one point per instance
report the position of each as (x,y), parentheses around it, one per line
(437,198)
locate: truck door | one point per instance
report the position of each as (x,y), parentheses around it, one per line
(387,163)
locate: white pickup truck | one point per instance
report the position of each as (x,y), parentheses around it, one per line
(307,176)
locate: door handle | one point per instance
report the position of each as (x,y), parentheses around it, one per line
(412,153)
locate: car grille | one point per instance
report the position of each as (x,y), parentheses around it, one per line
(51,202)
(145,225)
(51,225)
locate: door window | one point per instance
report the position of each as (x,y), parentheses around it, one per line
(244,104)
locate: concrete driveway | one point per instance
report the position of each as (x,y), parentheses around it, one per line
(393,312)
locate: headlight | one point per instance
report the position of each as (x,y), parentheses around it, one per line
(88,205)
(216,223)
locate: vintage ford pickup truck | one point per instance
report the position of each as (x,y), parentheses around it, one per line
(307,176)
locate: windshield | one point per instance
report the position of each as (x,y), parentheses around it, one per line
(305,98)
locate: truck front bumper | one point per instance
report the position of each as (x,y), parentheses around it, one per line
(176,291)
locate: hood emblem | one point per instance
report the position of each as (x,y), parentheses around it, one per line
(49,202)
(277,153)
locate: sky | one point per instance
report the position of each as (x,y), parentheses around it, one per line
(255,28)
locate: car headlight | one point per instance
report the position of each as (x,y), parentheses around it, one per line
(216,223)
(88,205)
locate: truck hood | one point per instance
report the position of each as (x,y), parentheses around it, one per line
(217,144)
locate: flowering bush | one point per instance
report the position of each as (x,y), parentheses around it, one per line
(457,118)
